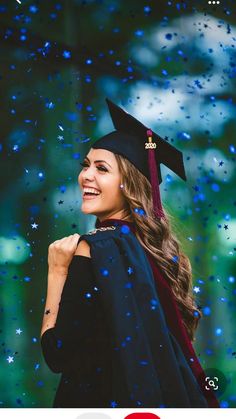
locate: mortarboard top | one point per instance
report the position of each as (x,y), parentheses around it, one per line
(143,148)
(129,141)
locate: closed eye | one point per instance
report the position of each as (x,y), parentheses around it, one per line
(101,168)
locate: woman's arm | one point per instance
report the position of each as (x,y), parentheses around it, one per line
(56,281)
(60,254)
(67,312)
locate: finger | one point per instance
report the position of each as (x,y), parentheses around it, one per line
(65,241)
(71,236)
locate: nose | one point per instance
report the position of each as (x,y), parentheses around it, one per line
(87,175)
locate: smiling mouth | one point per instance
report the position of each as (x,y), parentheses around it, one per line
(88,196)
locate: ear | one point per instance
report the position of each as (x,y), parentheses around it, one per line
(83,249)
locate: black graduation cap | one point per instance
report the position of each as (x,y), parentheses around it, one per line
(145,149)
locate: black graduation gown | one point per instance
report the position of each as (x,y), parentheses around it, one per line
(142,362)
(79,345)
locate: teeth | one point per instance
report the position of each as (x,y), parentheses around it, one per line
(91,190)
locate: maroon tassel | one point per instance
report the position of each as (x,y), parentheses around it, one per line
(156,197)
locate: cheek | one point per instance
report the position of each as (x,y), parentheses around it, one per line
(79,179)
(115,193)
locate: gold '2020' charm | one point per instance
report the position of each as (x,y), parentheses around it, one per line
(150,144)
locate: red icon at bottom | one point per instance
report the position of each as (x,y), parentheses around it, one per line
(142,415)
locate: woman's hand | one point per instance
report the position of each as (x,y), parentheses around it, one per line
(61,252)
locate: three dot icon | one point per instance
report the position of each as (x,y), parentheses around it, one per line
(213,2)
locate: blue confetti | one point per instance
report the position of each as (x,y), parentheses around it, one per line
(16,147)
(71,116)
(59,343)
(62,188)
(33,9)
(139,33)
(104,272)
(143,363)
(142,212)
(50,105)
(66,54)
(218,331)
(147,9)
(53,16)
(130,270)
(128,285)
(154,302)
(184,136)
(125,229)
(169,178)
(224,404)
(215,187)
(198,84)
(209,351)
(206,311)
(139,211)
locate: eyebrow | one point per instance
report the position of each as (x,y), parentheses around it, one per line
(98,161)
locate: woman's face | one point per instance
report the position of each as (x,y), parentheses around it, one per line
(101,174)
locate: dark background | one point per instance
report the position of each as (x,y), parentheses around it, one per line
(173,66)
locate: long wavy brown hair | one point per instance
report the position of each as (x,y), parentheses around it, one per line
(157,237)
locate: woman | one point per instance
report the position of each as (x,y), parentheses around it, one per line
(119,315)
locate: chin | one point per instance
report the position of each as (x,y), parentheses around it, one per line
(87,210)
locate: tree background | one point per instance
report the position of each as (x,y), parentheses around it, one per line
(171,64)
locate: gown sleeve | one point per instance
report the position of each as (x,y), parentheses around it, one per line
(75,317)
